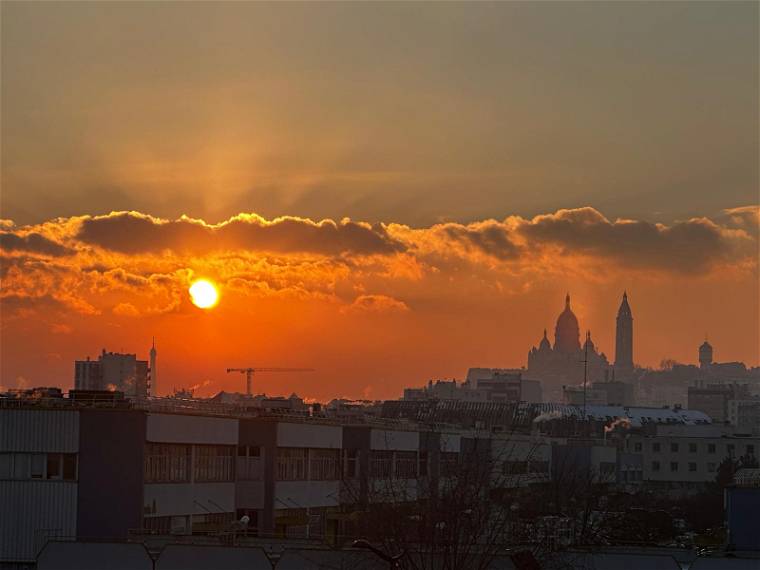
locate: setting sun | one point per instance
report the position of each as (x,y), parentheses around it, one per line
(204,294)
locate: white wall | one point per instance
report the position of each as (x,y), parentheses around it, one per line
(301,494)
(176,428)
(309,435)
(172,499)
(451,442)
(394,440)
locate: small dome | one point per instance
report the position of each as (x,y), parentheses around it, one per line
(589,343)
(544,344)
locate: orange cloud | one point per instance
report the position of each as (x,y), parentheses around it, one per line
(126,310)
(376,304)
(128,263)
(331,288)
(133,232)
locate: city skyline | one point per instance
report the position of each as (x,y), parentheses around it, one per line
(385,192)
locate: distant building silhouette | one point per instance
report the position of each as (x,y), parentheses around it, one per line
(113,371)
(705,355)
(564,362)
(482,385)
(624,340)
(152,387)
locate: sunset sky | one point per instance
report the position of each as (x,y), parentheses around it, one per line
(385,192)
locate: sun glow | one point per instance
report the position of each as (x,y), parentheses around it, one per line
(204,294)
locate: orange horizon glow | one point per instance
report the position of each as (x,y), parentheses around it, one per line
(373,308)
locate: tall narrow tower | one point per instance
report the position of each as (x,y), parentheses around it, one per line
(624,340)
(152,390)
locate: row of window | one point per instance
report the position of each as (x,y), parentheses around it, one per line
(174,463)
(526,467)
(180,463)
(301,464)
(50,466)
(691,466)
(177,463)
(675,447)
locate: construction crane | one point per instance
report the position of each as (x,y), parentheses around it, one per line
(249,374)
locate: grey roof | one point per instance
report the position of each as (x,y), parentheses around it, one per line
(318,559)
(198,557)
(608,561)
(521,415)
(721,563)
(93,556)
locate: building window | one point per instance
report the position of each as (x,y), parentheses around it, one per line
(167,463)
(692,466)
(750,450)
(291,464)
(674,465)
(159,525)
(710,448)
(69,467)
(449,462)
(53,465)
(674,448)
(6,465)
(351,463)
(515,467)
(692,448)
(38,465)
(656,447)
(711,467)
(423,470)
(655,465)
(249,464)
(406,465)
(213,463)
(208,523)
(730,448)
(607,469)
(23,466)
(637,446)
(323,464)
(380,463)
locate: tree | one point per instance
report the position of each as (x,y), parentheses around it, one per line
(461,513)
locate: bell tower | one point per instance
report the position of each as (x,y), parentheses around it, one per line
(624,340)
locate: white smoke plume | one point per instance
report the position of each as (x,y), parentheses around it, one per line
(203,384)
(624,423)
(546,416)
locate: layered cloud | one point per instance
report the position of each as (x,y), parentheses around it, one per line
(691,246)
(131,264)
(32,242)
(133,232)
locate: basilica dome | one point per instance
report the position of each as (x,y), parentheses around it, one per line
(567,332)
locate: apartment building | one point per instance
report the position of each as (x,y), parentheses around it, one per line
(685,456)
(76,469)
